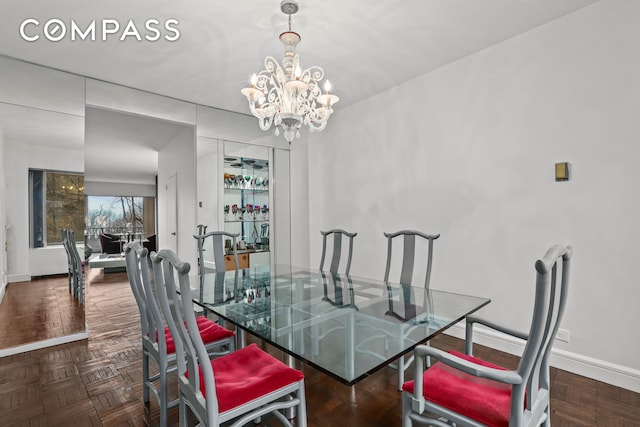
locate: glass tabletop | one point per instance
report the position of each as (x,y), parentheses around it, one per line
(343,325)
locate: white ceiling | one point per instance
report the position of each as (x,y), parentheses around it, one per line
(364,46)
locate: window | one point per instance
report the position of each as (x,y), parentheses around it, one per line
(116,214)
(131,217)
(57,202)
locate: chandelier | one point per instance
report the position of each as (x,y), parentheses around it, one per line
(286,96)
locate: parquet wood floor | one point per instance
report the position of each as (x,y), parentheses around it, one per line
(97,382)
(38,310)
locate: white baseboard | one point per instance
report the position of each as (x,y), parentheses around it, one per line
(3,287)
(45,343)
(600,370)
(12,278)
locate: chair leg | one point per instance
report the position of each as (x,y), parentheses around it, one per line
(81,289)
(406,410)
(547,421)
(145,377)
(302,408)
(163,397)
(401,369)
(183,412)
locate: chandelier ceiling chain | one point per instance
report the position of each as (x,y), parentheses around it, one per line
(286,96)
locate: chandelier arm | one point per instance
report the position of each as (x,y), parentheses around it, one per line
(317,127)
(318,116)
(314,73)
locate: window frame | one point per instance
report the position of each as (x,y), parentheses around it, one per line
(38,206)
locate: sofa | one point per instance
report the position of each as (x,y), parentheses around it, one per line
(150,243)
(110,243)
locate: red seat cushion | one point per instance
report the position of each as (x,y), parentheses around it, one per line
(210,332)
(246,374)
(481,399)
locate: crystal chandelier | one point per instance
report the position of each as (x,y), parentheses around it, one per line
(287,96)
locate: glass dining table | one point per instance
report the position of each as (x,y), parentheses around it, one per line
(345,326)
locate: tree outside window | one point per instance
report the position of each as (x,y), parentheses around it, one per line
(57,202)
(120,214)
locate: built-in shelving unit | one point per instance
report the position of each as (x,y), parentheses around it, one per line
(247,207)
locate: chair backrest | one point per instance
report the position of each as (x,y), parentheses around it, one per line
(152,323)
(73,249)
(338,237)
(178,310)
(409,255)
(549,305)
(75,264)
(64,233)
(213,243)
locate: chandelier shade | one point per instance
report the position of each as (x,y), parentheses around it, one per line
(286,96)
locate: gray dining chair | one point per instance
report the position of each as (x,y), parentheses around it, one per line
(234,389)
(461,389)
(75,265)
(78,268)
(338,291)
(409,240)
(158,343)
(202,229)
(214,243)
(336,253)
(64,234)
(409,254)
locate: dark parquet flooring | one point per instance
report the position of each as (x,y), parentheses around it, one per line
(97,381)
(39,310)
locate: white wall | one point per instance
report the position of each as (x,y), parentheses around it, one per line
(299,188)
(97,188)
(468,151)
(38,105)
(39,87)
(3,221)
(179,158)
(22,261)
(208,182)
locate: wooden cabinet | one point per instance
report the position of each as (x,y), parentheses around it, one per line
(243,261)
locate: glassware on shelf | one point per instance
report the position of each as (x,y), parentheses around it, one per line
(245,182)
(249,212)
(246,199)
